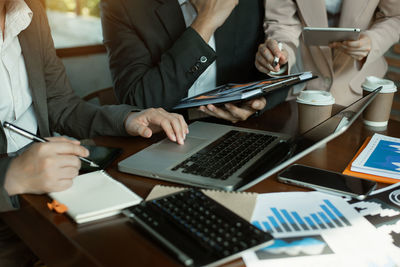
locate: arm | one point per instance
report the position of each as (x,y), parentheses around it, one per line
(6,201)
(68,114)
(141,79)
(385,31)
(281,24)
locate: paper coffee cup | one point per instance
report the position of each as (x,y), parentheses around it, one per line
(313,108)
(378,112)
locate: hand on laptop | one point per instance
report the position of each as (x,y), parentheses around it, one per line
(45,167)
(235,113)
(153,120)
(266,54)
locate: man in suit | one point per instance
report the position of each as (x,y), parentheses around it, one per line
(161,51)
(36,95)
(343,66)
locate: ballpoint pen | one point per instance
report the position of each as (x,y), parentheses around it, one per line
(276,59)
(36,138)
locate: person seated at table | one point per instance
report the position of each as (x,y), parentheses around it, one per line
(343,66)
(162,51)
(36,95)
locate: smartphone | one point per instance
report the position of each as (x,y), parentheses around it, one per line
(325,36)
(102,156)
(327,181)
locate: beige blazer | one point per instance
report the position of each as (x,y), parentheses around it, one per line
(339,74)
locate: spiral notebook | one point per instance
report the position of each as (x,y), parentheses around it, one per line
(94,196)
(241,203)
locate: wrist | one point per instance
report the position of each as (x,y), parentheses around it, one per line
(11,184)
(203,27)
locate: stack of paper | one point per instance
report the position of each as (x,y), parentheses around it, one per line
(94,196)
(378,160)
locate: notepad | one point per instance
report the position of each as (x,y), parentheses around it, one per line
(241,203)
(94,196)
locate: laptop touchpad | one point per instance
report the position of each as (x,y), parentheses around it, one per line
(191,143)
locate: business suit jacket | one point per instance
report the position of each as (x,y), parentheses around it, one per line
(154,59)
(55,104)
(340,74)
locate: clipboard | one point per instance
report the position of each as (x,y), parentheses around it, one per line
(230,93)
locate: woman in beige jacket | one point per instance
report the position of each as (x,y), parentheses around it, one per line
(341,67)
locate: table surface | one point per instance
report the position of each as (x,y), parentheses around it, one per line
(58,241)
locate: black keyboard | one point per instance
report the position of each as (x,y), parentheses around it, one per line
(196,229)
(226,155)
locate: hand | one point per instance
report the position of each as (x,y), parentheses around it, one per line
(358,50)
(266,54)
(153,120)
(211,14)
(45,167)
(234,113)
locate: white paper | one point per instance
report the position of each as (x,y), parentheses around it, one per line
(322,230)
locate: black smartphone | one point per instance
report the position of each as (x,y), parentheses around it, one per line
(101,155)
(327,181)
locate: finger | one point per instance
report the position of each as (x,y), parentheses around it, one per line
(67,161)
(267,66)
(184,126)
(176,126)
(219,113)
(261,68)
(258,104)
(169,131)
(65,148)
(68,172)
(266,53)
(61,185)
(240,113)
(62,139)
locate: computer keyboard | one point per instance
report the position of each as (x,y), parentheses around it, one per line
(196,229)
(226,155)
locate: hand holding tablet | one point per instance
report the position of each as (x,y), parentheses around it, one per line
(325,36)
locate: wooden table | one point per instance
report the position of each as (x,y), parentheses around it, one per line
(115,242)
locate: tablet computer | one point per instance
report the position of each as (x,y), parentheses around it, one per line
(324,36)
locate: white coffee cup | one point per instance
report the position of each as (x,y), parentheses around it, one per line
(378,112)
(313,108)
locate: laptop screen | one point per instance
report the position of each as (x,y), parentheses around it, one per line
(290,151)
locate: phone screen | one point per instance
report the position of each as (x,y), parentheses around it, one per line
(326,180)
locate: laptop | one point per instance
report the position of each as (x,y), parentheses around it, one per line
(233,158)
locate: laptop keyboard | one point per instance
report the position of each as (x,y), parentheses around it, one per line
(196,228)
(226,155)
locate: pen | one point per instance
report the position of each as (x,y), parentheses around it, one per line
(36,138)
(276,59)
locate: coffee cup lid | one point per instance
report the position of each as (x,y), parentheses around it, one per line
(316,98)
(372,82)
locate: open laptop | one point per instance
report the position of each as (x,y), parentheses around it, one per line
(233,158)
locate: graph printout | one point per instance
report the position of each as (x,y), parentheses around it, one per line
(312,228)
(380,157)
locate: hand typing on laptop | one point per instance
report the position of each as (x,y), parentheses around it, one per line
(152,120)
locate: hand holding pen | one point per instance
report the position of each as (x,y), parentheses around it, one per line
(36,138)
(45,167)
(271,56)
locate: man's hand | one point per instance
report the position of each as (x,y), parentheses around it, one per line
(358,50)
(234,113)
(45,167)
(211,14)
(266,54)
(153,120)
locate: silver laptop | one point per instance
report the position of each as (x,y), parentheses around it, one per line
(233,158)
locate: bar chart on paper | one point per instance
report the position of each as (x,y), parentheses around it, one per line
(291,217)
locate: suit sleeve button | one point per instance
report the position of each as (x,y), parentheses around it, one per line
(203,59)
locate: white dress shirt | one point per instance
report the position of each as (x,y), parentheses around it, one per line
(15,97)
(208,79)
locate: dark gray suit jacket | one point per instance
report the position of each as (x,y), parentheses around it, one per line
(154,59)
(55,104)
